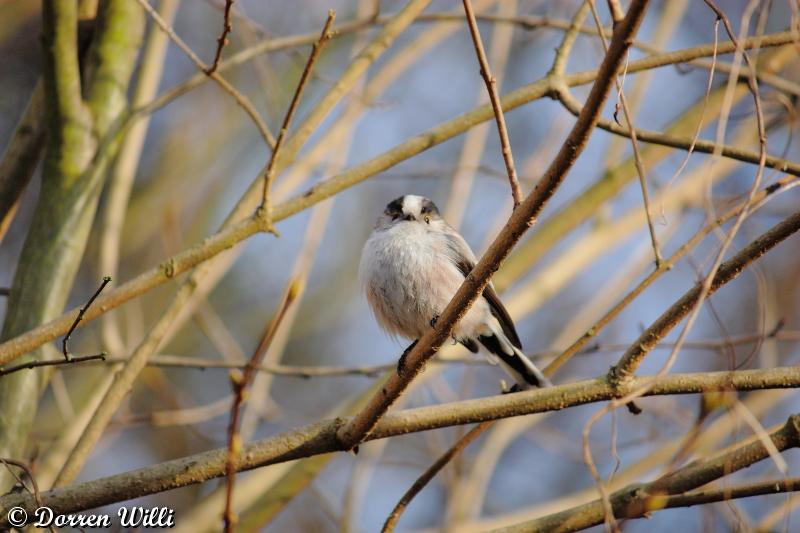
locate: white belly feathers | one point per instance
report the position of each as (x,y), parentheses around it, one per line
(409,281)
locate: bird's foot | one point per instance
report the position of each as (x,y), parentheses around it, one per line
(505,389)
(633,408)
(434,320)
(401,363)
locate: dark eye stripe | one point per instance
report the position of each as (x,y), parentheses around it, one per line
(428,207)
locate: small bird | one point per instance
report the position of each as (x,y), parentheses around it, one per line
(411,267)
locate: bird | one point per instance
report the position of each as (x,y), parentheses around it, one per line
(411,266)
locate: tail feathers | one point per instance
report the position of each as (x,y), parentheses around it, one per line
(516,363)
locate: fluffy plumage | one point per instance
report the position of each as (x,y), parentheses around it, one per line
(412,265)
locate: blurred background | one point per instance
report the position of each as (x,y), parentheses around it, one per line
(201,152)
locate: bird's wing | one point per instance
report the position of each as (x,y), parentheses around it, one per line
(463,258)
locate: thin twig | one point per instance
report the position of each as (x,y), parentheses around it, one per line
(430,473)
(269,174)
(371,371)
(727,271)
(525,22)
(25,468)
(64,347)
(240,383)
(757,488)
(692,144)
(52,362)
(637,156)
(594,330)
(491,87)
(240,98)
(718,271)
(222,40)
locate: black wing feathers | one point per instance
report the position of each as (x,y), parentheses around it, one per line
(465,265)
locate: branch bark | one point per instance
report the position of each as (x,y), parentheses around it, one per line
(727,271)
(21,157)
(321,437)
(638,499)
(70,185)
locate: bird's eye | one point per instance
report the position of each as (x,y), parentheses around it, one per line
(427,219)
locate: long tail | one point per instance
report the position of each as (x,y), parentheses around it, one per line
(514,362)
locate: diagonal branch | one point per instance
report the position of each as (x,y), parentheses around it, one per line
(241,99)
(491,87)
(222,40)
(684,143)
(269,175)
(638,499)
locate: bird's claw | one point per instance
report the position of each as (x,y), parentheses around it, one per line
(401,363)
(434,320)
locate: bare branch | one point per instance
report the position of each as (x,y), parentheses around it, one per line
(241,99)
(269,175)
(616,14)
(590,333)
(727,271)
(240,385)
(491,87)
(51,362)
(222,40)
(685,143)
(430,473)
(64,347)
(320,437)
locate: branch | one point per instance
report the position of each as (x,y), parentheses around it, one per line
(72,174)
(199,281)
(241,382)
(684,143)
(758,488)
(430,473)
(269,175)
(21,156)
(51,362)
(320,437)
(614,180)
(638,499)
(521,219)
(557,70)
(727,271)
(241,99)
(64,347)
(222,40)
(526,22)
(491,87)
(616,15)
(230,236)
(603,321)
